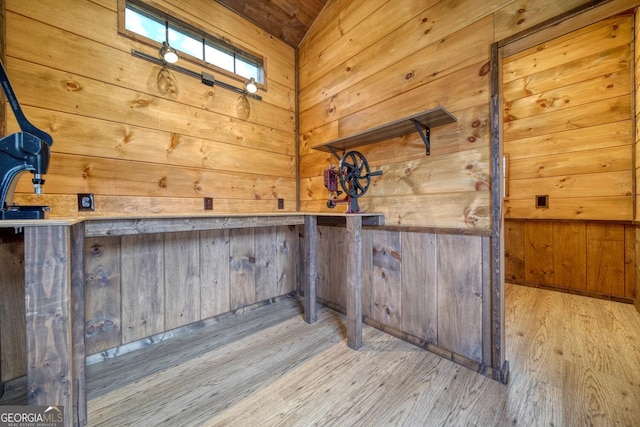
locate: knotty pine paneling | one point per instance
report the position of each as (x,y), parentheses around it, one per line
(143,286)
(214,273)
(242,267)
(386,279)
(154,283)
(538,252)
(514,261)
(419,295)
(363,74)
(75,77)
(460,290)
(593,258)
(182,279)
(332,266)
(356,74)
(570,255)
(102,294)
(522,14)
(428,286)
(568,125)
(605,253)
(12,310)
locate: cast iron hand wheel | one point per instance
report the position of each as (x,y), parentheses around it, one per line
(354,174)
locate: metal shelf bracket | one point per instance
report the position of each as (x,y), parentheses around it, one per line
(425,134)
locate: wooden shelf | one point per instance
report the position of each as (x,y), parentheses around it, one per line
(431,118)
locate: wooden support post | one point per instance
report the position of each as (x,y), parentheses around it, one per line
(310,268)
(53,290)
(79,411)
(353,255)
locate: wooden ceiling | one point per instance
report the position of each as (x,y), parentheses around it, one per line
(287,20)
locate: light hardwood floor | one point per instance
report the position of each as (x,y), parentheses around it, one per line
(575,361)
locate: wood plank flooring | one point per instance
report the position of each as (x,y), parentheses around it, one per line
(574,361)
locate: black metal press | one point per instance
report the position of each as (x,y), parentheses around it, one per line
(27,150)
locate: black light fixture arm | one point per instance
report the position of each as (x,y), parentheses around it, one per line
(205,78)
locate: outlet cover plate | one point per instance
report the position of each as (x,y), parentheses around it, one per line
(86,202)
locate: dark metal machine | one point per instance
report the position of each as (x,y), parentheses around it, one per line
(353,174)
(28,150)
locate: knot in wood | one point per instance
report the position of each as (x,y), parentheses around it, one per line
(476,123)
(97,250)
(409,75)
(72,86)
(484,70)
(163,182)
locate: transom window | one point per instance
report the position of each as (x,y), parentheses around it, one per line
(191,44)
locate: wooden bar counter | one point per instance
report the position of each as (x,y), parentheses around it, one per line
(55,288)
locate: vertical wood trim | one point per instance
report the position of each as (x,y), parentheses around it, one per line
(242,268)
(353,253)
(50,373)
(419,286)
(487,330)
(78,325)
(310,251)
(266,250)
(386,278)
(182,279)
(630,261)
(102,293)
(367,272)
(12,314)
(142,286)
(497,218)
(214,273)
(287,259)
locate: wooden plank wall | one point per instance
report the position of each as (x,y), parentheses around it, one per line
(593,258)
(139,149)
(568,125)
(568,134)
(425,285)
(12,308)
(366,64)
(142,285)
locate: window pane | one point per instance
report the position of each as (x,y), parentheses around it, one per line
(246,69)
(218,57)
(190,42)
(144,25)
(185,43)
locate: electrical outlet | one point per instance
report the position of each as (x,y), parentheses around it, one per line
(208,203)
(86,202)
(542,201)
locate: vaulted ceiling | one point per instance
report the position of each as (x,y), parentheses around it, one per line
(287,20)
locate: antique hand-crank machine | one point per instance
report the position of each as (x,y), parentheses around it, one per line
(20,152)
(353,174)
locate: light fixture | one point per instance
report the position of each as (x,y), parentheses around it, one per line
(204,77)
(167,53)
(251,86)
